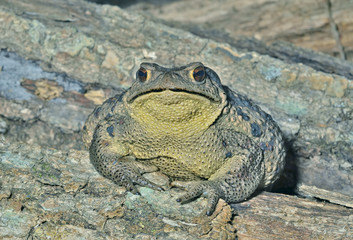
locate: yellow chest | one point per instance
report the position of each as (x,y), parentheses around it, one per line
(193,157)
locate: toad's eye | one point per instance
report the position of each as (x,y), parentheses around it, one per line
(199,73)
(142,74)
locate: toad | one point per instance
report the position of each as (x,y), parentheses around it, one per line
(183,122)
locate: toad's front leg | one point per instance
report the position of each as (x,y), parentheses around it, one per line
(113,159)
(235,181)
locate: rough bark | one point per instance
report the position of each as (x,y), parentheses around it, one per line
(324,25)
(49,194)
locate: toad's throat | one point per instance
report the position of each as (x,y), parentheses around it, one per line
(170,111)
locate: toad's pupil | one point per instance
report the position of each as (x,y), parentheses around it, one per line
(142,74)
(199,74)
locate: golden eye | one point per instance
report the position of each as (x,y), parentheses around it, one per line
(199,73)
(142,74)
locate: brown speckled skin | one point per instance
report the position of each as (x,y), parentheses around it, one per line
(227,152)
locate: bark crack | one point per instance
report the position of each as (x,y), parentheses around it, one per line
(335,31)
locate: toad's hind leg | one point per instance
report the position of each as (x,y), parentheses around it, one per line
(235,181)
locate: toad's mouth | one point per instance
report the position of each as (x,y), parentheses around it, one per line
(174,90)
(171,105)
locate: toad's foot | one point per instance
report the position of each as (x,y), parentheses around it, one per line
(208,189)
(129,176)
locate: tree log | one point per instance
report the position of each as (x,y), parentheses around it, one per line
(59,59)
